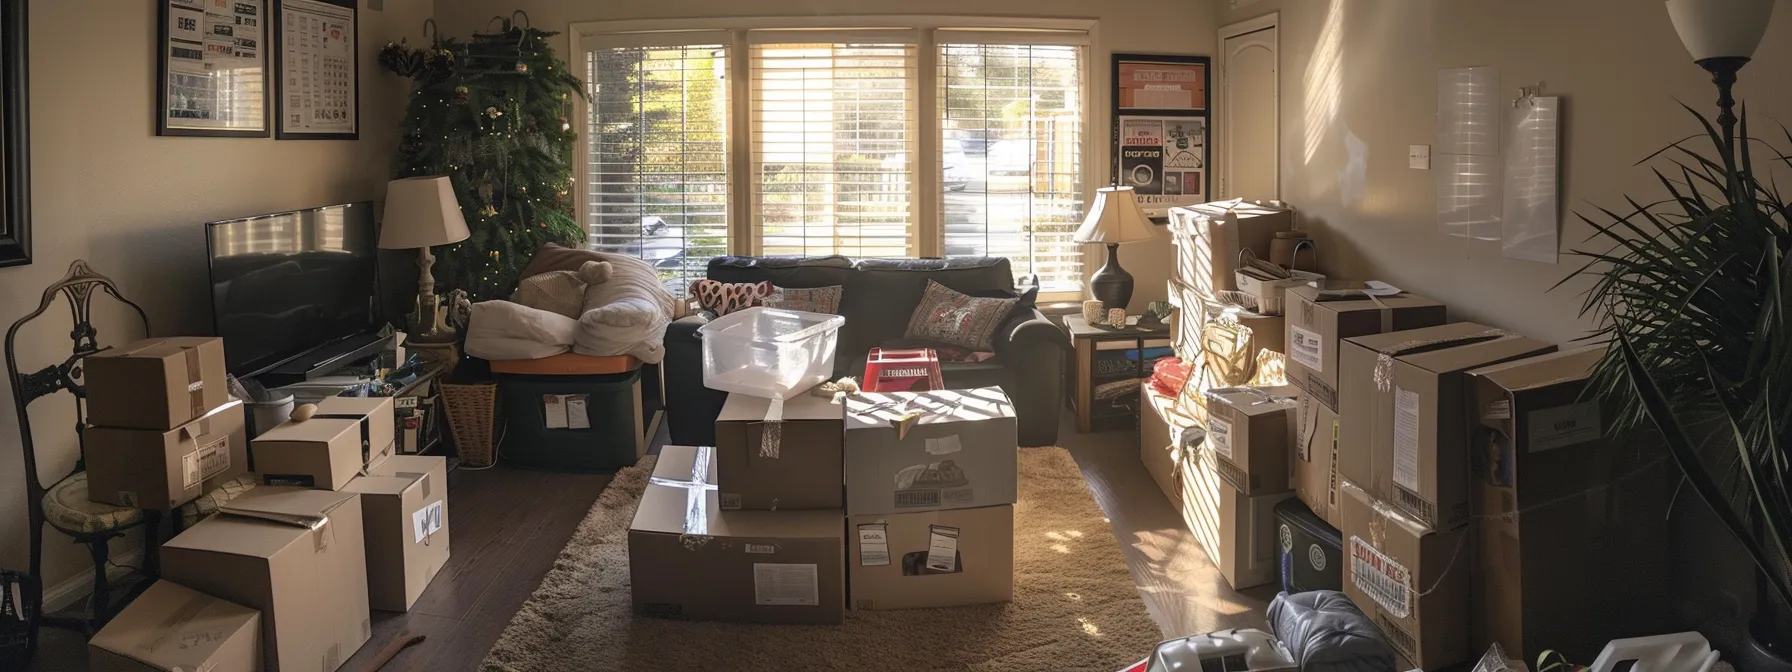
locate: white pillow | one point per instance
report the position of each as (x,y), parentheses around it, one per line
(505,330)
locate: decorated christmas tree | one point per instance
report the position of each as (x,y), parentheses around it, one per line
(494,115)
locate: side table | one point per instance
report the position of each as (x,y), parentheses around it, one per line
(1108,365)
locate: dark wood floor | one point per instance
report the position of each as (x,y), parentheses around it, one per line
(509,525)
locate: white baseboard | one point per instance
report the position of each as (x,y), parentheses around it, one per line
(71,592)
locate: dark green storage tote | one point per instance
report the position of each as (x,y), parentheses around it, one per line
(607,405)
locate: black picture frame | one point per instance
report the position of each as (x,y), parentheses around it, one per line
(280,65)
(1204,113)
(166,127)
(15,136)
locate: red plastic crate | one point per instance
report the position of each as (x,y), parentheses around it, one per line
(915,370)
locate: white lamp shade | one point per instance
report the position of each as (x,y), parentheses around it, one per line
(1720,28)
(1115,217)
(421,212)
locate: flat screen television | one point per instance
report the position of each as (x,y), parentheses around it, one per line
(289,283)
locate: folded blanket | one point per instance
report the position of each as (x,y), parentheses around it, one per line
(505,330)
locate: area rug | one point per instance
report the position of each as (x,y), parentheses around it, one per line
(1075,604)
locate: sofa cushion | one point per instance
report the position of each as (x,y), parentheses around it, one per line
(812,299)
(948,317)
(788,272)
(882,294)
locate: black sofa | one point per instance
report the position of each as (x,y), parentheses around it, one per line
(880,296)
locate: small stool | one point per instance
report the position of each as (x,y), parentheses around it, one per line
(571,413)
(915,370)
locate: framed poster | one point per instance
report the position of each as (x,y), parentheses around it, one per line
(15,138)
(315,47)
(1160,129)
(212,68)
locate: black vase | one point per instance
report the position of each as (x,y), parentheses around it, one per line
(1112,285)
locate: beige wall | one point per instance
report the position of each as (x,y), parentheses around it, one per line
(106,189)
(1148,26)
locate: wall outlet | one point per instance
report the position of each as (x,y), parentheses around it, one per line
(1418,157)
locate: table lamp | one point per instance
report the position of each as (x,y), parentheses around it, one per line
(1115,218)
(422,212)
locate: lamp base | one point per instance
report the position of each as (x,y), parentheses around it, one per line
(1112,285)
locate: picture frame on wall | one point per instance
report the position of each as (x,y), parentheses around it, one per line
(316,47)
(1161,106)
(212,69)
(15,137)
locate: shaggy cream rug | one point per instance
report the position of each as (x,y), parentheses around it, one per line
(1075,605)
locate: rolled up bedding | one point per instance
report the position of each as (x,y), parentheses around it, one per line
(505,330)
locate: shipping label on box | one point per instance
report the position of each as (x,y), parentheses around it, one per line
(1403,413)
(1317,321)
(1248,430)
(783,459)
(171,627)
(1411,581)
(915,451)
(688,558)
(942,558)
(161,470)
(157,383)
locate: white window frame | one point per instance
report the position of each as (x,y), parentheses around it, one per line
(928,230)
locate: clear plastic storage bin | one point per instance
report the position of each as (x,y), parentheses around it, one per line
(769,352)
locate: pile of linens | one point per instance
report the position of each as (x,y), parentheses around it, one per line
(589,303)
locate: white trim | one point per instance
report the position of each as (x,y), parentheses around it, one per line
(1067,38)
(909,36)
(659,38)
(76,588)
(591,28)
(1219,120)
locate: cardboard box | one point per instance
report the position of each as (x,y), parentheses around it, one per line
(1160,440)
(690,559)
(1248,429)
(172,627)
(1572,539)
(945,558)
(322,453)
(306,574)
(958,453)
(1390,562)
(404,510)
(1209,236)
(156,383)
(1236,530)
(804,472)
(163,469)
(1315,477)
(1403,415)
(378,420)
(1317,322)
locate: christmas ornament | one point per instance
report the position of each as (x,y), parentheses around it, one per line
(493,112)
(489,211)
(522,67)
(460,95)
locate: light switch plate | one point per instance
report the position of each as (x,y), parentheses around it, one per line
(1419,157)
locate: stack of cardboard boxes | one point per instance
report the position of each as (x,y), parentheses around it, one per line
(900,500)
(285,578)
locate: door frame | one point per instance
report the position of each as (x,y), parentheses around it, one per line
(1221,121)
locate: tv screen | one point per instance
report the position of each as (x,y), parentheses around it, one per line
(288,283)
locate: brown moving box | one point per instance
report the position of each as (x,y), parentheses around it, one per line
(1248,428)
(378,423)
(322,453)
(690,559)
(1315,458)
(172,627)
(1317,323)
(1160,436)
(1236,530)
(1402,415)
(805,472)
(959,453)
(404,509)
(1558,502)
(931,559)
(1209,236)
(1411,581)
(160,470)
(156,383)
(307,574)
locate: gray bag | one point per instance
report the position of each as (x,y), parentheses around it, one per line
(1325,632)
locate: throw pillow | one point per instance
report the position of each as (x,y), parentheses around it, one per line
(558,292)
(813,299)
(946,316)
(723,298)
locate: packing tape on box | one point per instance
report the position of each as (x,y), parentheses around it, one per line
(1384,362)
(696,506)
(180,616)
(1258,394)
(771,435)
(366,422)
(195,381)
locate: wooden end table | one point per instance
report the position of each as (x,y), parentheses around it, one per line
(1086,377)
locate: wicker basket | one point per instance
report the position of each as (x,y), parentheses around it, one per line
(472,412)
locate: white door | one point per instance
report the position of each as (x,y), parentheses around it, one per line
(1246,112)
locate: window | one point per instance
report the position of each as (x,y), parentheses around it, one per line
(897,139)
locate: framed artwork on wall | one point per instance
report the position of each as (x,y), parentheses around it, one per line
(315,48)
(212,74)
(15,137)
(1161,115)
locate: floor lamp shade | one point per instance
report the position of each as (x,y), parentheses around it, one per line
(1114,218)
(1720,28)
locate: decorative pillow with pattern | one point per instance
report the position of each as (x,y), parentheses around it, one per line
(723,298)
(814,299)
(948,317)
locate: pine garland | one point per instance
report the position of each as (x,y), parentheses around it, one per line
(494,115)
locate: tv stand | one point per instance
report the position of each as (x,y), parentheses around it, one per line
(324,361)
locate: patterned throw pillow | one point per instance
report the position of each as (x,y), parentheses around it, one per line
(558,292)
(814,300)
(723,298)
(946,316)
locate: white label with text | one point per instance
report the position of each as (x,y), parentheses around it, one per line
(785,584)
(1303,347)
(874,545)
(1385,581)
(1219,435)
(942,548)
(1563,426)
(426,521)
(1406,438)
